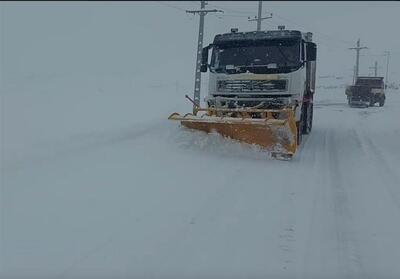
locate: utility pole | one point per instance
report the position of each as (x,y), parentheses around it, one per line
(259,15)
(357,48)
(197,77)
(353,70)
(259,18)
(375,68)
(387,54)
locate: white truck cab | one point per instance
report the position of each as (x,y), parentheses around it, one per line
(263,69)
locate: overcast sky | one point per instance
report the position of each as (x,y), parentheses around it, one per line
(158,39)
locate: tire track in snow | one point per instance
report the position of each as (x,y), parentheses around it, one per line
(330,215)
(288,238)
(287,234)
(312,234)
(385,170)
(349,256)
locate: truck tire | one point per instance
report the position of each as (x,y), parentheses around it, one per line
(299,125)
(381,102)
(311,115)
(307,119)
(371,103)
(303,118)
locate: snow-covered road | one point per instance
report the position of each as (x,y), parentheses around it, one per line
(88,193)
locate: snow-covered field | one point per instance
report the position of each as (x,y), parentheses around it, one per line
(95,182)
(92,185)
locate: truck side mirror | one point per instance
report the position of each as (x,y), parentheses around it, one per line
(311,52)
(204,60)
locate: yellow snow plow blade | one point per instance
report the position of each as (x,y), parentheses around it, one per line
(273,130)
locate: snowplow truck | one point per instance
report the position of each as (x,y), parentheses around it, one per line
(261,87)
(367,91)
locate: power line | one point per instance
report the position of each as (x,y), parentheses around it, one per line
(229,15)
(171,6)
(328,37)
(272,23)
(317,32)
(321,39)
(231,10)
(258,18)
(240,14)
(368,55)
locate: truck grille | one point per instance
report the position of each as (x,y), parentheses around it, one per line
(251,85)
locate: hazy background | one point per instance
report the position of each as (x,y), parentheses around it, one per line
(158,39)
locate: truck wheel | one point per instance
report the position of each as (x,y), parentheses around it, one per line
(381,102)
(299,125)
(303,118)
(311,115)
(307,119)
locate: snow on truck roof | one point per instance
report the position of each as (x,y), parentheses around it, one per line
(261,35)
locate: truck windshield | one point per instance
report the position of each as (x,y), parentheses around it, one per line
(269,56)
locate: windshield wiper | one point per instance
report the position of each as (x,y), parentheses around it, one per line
(283,54)
(288,61)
